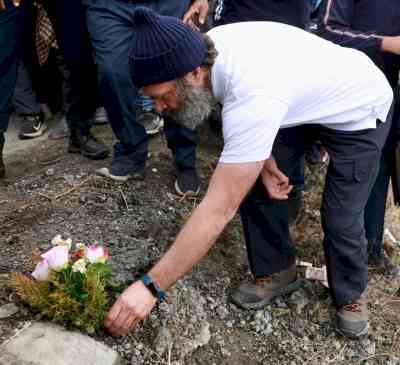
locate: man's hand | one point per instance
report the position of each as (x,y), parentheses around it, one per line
(133,305)
(391,45)
(229,185)
(275,181)
(196,14)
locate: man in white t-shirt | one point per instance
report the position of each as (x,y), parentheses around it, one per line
(327,92)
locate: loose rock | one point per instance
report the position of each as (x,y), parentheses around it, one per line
(8,310)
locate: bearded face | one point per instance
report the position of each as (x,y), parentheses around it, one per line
(195,105)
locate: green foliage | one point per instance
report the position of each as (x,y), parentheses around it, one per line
(69,297)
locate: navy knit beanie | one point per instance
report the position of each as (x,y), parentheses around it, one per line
(164,48)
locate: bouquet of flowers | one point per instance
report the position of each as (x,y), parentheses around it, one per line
(69,284)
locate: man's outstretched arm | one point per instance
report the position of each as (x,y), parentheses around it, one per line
(228,186)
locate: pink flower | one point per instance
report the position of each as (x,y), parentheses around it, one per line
(42,271)
(57,257)
(96,253)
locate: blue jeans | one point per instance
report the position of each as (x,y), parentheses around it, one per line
(10,32)
(112,34)
(25,101)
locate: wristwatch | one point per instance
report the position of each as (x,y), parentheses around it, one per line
(153,287)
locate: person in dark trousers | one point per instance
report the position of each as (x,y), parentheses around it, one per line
(27,106)
(10,36)
(69,21)
(112,33)
(372,27)
(330,93)
(68,17)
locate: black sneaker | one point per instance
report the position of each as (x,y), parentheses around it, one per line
(60,130)
(2,168)
(151,121)
(187,182)
(32,126)
(89,146)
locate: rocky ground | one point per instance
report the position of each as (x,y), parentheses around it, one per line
(49,192)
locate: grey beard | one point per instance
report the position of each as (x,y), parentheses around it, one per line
(195,107)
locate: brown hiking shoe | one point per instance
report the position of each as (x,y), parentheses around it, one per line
(352,319)
(259,293)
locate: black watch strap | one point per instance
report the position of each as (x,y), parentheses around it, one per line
(153,287)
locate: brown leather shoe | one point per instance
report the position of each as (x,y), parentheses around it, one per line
(259,293)
(352,319)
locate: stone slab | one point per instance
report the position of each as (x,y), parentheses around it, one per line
(49,344)
(8,310)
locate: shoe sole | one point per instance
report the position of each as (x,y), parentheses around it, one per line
(188,193)
(262,303)
(38,133)
(351,335)
(152,132)
(105,172)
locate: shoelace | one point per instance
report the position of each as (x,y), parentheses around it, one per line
(355,307)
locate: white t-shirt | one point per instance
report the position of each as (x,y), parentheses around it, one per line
(270,75)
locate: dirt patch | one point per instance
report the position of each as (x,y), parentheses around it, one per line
(48,192)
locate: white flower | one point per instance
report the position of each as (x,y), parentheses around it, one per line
(59,241)
(56,240)
(68,242)
(96,253)
(79,266)
(81,246)
(42,271)
(57,257)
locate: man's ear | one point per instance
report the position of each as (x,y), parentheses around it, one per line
(195,76)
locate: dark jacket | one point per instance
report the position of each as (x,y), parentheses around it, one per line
(358,24)
(293,12)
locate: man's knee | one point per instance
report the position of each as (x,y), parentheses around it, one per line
(342,226)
